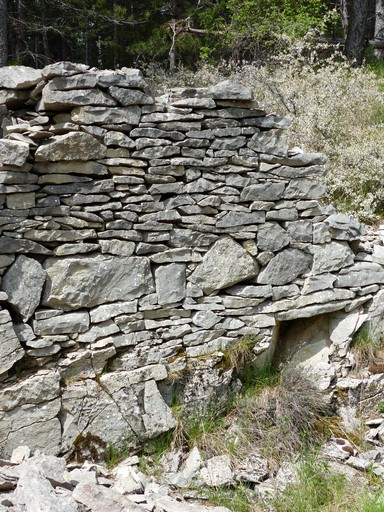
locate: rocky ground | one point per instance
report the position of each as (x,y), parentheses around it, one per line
(181,480)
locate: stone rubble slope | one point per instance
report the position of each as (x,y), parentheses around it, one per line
(141,238)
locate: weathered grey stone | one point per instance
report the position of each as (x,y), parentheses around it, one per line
(271,237)
(205,319)
(234,218)
(119,139)
(218,471)
(157,417)
(263,192)
(63,69)
(13,152)
(170,283)
(361,274)
(99,499)
(91,280)
(10,348)
(330,257)
(273,142)
(285,267)
(229,90)
(28,411)
(65,100)
(317,283)
(62,324)
(105,312)
(12,245)
(224,265)
(117,247)
(19,77)
(343,227)
(23,282)
(71,146)
(130,96)
(305,189)
(104,115)
(300,231)
(34,492)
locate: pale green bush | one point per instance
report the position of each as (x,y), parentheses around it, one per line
(335,109)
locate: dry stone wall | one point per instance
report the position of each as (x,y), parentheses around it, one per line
(142,238)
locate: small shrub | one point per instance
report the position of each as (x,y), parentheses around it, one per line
(317,487)
(368,348)
(237,498)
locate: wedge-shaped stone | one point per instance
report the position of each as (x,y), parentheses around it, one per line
(10,348)
(13,152)
(23,283)
(263,192)
(91,280)
(271,237)
(233,218)
(71,146)
(63,68)
(225,264)
(285,267)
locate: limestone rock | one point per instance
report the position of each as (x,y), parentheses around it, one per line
(23,283)
(19,77)
(130,96)
(63,68)
(361,274)
(218,471)
(157,417)
(13,152)
(332,256)
(92,280)
(65,100)
(228,90)
(170,283)
(10,349)
(34,492)
(224,265)
(28,413)
(105,115)
(69,323)
(71,146)
(285,267)
(101,499)
(271,237)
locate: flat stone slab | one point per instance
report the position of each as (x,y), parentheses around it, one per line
(92,280)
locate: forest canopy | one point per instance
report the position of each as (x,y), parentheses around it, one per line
(116,33)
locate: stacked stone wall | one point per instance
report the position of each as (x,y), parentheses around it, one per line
(142,238)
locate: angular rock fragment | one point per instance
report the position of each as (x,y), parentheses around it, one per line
(23,282)
(225,264)
(10,349)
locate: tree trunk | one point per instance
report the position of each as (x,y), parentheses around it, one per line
(378,38)
(357,30)
(3,33)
